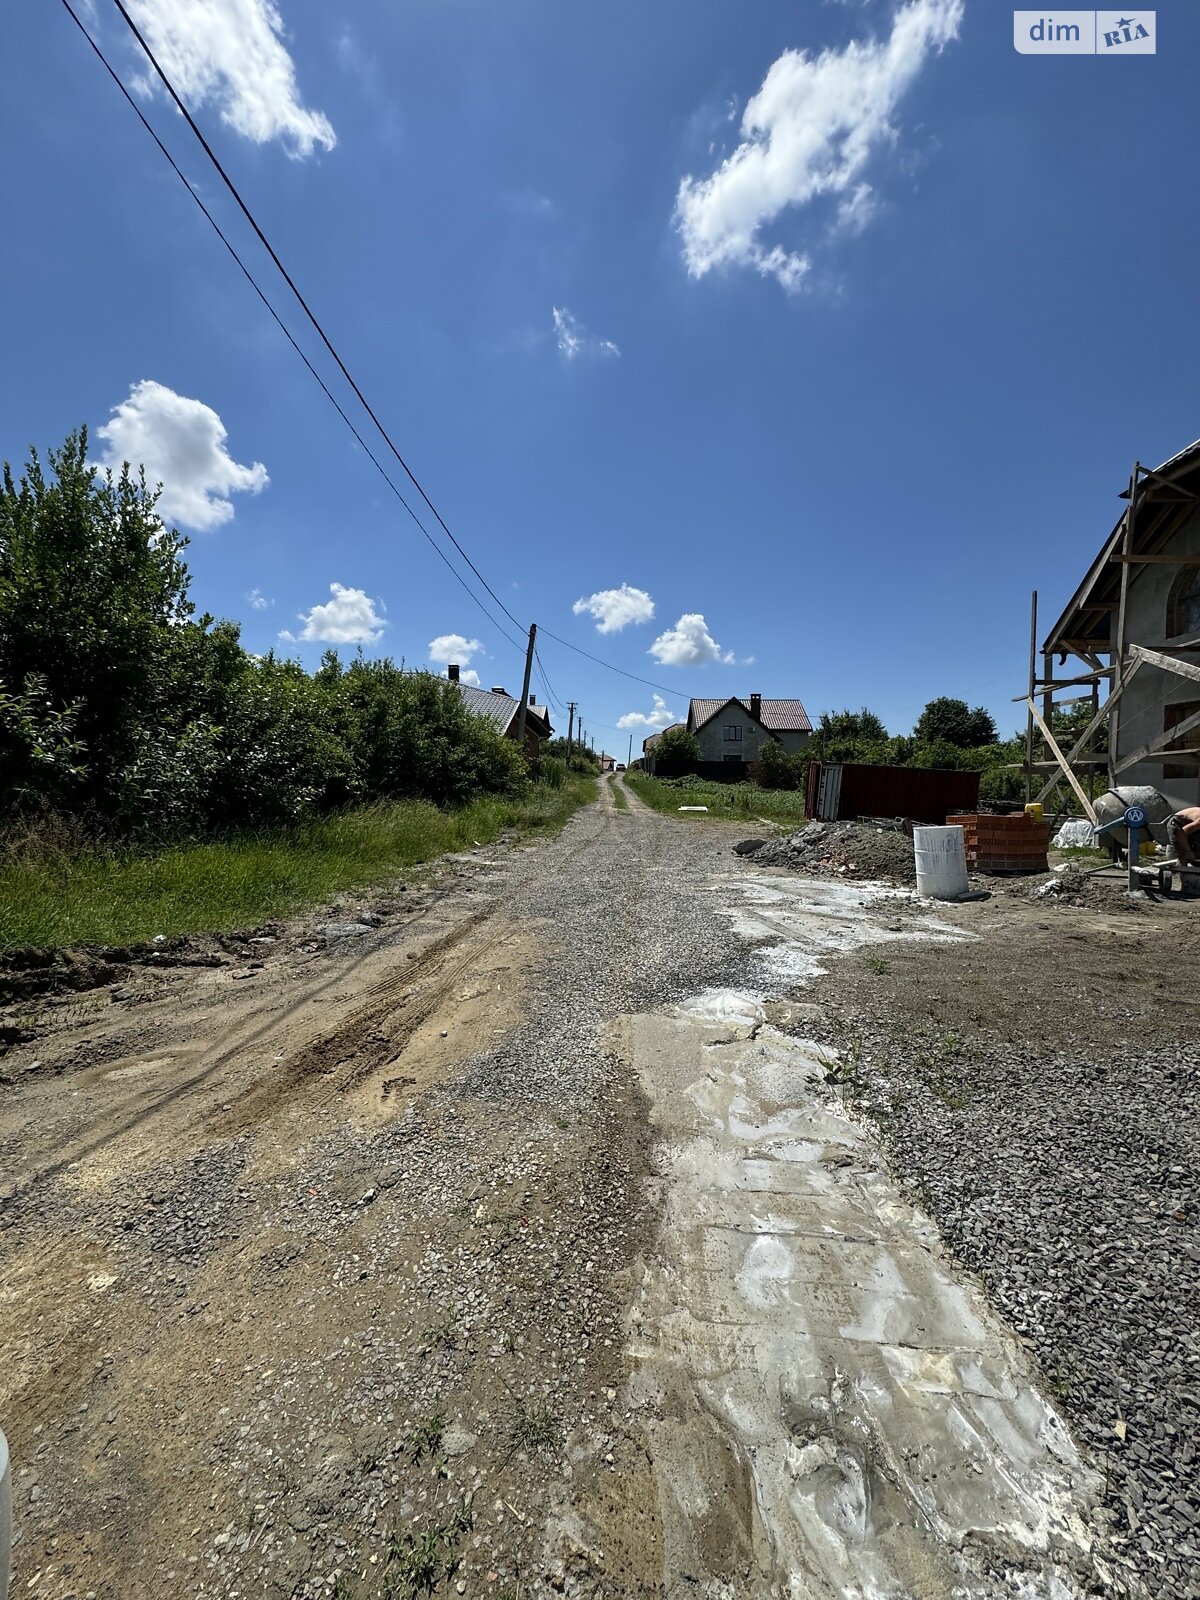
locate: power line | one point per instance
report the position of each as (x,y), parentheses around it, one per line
(304,305)
(284,329)
(326,341)
(545,677)
(545,632)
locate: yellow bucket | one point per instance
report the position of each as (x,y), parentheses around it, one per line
(1034,810)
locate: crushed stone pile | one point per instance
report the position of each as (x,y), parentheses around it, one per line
(847,849)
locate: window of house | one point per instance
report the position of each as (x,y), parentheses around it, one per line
(1183,604)
(733,730)
(736,758)
(1172,717)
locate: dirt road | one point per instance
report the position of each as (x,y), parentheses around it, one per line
(522,1244)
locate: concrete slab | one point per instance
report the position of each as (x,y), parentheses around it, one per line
(838,1414)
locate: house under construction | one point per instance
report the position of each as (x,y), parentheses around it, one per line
(1133,628)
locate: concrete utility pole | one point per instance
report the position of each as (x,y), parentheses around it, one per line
(571,704)
(629,757)
(525,687)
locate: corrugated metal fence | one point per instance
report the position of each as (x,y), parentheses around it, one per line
(841,790)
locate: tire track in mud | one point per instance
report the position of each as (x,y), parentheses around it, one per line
(124,1118)
(371,1036)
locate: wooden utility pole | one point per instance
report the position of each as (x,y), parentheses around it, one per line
(1118,655)
(525,687)
(571,704)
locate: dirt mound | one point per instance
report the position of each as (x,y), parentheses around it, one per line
(847,849)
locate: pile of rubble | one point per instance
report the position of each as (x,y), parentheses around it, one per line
(847,849)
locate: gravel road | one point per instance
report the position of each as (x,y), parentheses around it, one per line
(337,1302)
(317,1264)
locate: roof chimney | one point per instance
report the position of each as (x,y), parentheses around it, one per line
(533,699)
(756,707)
(452,672)
(498,688)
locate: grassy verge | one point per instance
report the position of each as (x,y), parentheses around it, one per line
(736,802)
(1084,856)
(110,898)
(619,798)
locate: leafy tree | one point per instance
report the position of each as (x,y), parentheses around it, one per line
(120,706)
(1068,723)
(678,747)
(850,736)
(410,734)
(862,725)
(91,587)
(40,757)
(579,759)
(953,722)
(776,769)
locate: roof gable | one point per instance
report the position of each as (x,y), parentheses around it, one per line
(1162,508)
(776,716)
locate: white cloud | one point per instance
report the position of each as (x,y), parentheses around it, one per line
(231,53)
(449,647)
(349,618)
(809,131)
(574,340)
(688,644)
(181,444)
(615,609)
(259,600)
(660,717)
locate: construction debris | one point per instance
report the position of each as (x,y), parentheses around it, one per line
(847,849)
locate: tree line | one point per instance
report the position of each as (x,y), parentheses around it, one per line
(949,734)
(124,709)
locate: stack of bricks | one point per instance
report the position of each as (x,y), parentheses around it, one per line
(1003,844)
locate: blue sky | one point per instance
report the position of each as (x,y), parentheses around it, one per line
(843,375)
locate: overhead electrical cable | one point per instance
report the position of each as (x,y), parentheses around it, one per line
(284,329)
(303,303)
(545,677)
(544,632)
(329,346)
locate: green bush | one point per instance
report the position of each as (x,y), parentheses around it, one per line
(120,707)
(776,769)
(552,771)
(677,747)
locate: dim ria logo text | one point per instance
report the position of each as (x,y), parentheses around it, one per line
(1084,33)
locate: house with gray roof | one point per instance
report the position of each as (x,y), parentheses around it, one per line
(502,710)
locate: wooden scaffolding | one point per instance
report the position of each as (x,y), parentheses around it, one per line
(1160,501)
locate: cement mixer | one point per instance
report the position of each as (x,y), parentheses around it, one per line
(1113,804)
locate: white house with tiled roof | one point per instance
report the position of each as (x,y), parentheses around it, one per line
(737,730)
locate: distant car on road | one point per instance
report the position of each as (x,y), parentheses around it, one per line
(620,766)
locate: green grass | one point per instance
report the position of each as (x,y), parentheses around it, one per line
(737,802)
(619,798)
(1084,855)
(52,896)
(533,1428)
